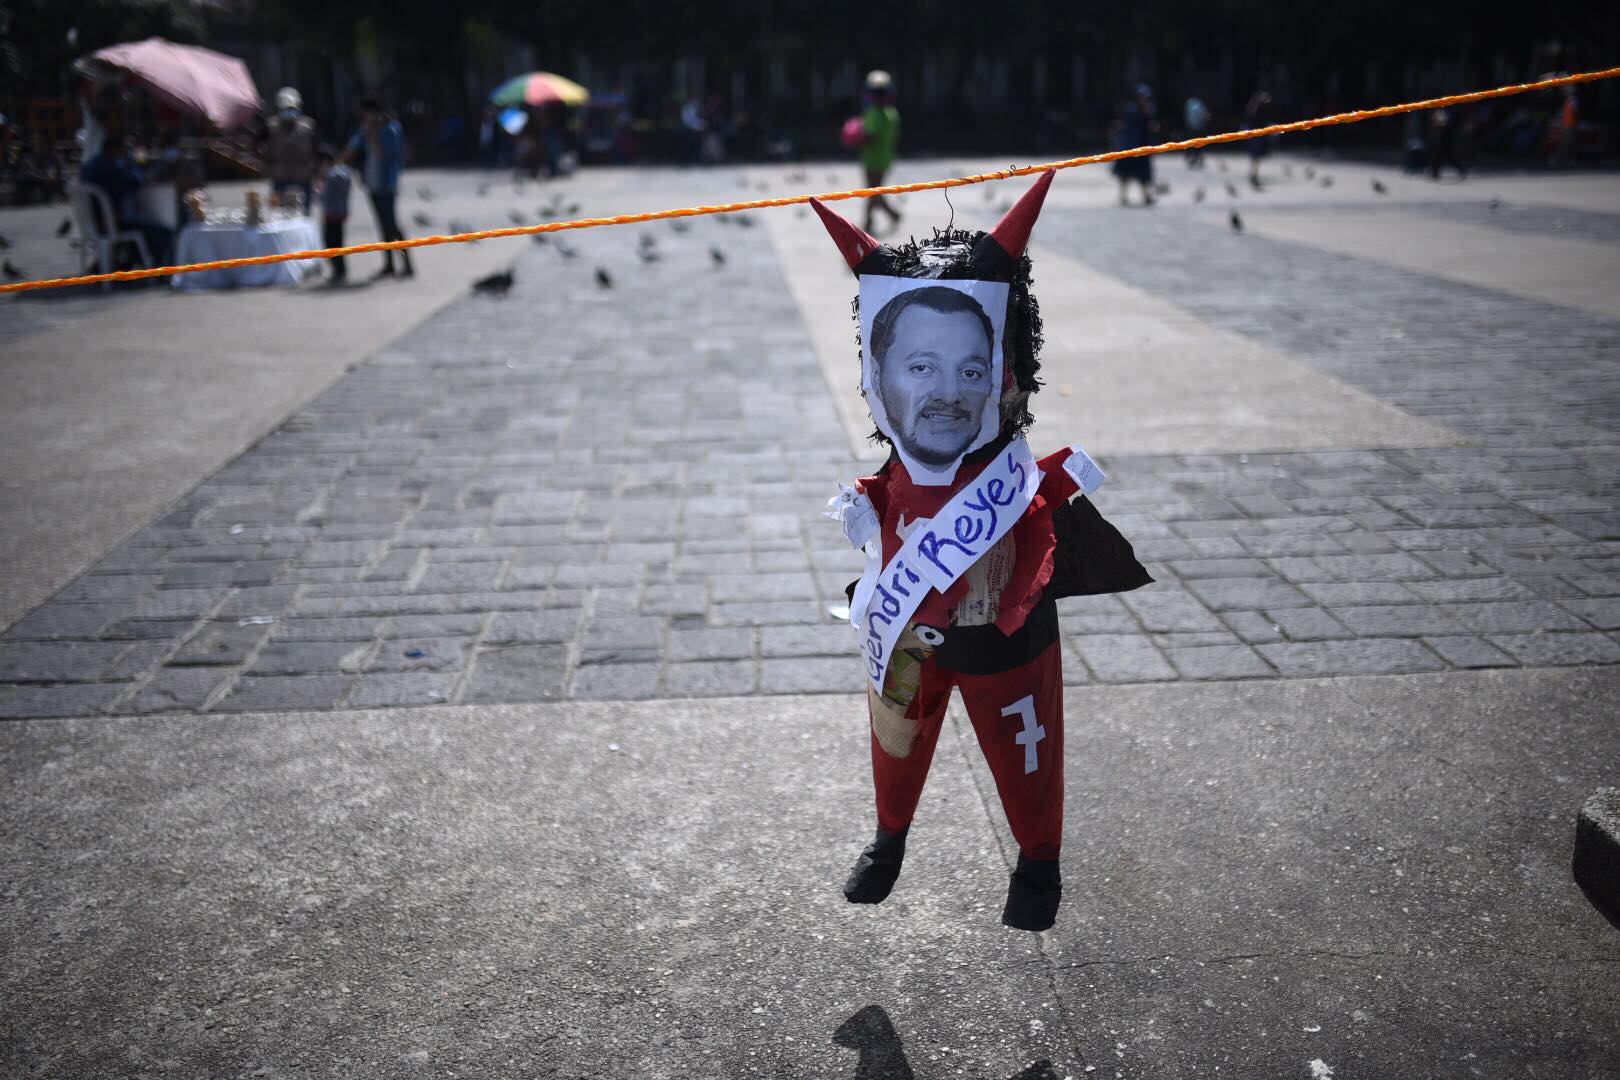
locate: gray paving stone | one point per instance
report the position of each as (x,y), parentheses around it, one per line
(748,588)
(1372,656)
(1219,662)
(1345,594)
(1468,651)
(1518,615)
(219,644)
(300,629)
(1307,624)
(766,613)
(308,657)
(812,675)
(1454,591)
(58,661)
(1252,626)
(811,639)
(1217,568)
(710,643)
(1397,620)
(1229,594)
(190,575)
(1165,609)
(1603,613)
(69,620)
(517,673)
(175,690)
(379,690)
(1394,567)
(421,654)
(80,699)
(1122,658)
(1559,648)
(532,627)
(617,682)
(275,693)
(453,577)
(676,599)
(711,678)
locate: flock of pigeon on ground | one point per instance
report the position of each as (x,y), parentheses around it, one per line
(648,249)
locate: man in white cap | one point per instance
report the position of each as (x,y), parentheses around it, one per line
(289,147)
(880,124)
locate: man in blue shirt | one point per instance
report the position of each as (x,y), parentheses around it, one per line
(380,147)
(115,172)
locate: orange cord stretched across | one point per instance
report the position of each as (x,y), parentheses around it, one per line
(855,193)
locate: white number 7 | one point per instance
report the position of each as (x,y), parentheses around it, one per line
(1024,708)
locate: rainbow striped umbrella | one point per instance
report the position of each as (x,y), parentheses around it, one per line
(539,88)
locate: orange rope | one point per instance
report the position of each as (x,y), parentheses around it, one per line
(832,196)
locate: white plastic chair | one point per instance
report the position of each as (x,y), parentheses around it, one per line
(91,207)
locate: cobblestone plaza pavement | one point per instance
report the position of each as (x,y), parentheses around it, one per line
(478,710)
(579,492)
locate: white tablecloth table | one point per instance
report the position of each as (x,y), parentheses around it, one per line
(206,243)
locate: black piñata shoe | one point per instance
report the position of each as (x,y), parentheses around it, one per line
(877,868)
(1033,895)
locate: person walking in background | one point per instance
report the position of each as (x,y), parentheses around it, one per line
(1136,126)
(1444,134)
(1197,119)
(380,145)
(879,140)
(1257,114)
(289,148)
(333,181)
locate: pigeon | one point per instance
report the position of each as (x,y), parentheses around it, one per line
(459,226)
(603,278)
(680,226)
(1378,186)
(744,221)
(12,272)
(1495,204)
(646,242)
(565,251)
(572,209)
(648,255)
(1231,189)
(516,217)
(717,257)
(1198,196)
(1327,181)
(4,243)
(422,219)
(425,194)
(1237,222)
(539,238)
(1161,188)
(483,190)
(1310,172)
(494,285)
(64,228)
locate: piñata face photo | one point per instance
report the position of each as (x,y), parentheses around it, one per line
(931,368)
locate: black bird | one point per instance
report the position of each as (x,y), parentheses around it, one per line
(573,208)
(717,257)
(460,227)
(603,279)
(648,255)
(722,219)
(421,219)
(4,243)
(565,251)
(425,193)
(65,228)
(1237,222)
(677,225)
(744,221)
(1327,181)
(1378,186)
(494,285)
(516,217)
(1161,188)
(1495,204)
(540,238)
(646,242)
(12,272)
(1198,196)
(1231,189)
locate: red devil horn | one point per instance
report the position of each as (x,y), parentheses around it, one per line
(1012,232)
(854,244)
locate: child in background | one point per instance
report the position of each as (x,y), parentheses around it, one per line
(332,183)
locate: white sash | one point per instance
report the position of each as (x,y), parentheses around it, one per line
(938,552)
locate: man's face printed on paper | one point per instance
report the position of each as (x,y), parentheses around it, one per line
(934,380)
(933,368)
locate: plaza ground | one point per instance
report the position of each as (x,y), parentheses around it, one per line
(406,682)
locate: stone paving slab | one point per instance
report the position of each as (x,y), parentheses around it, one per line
(1370,873)
(538,498)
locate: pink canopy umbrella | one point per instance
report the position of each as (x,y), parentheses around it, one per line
(195,80)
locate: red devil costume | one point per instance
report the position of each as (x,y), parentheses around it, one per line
(970,540)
